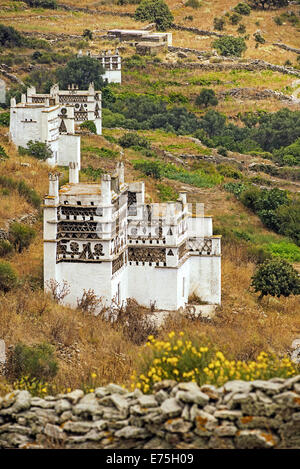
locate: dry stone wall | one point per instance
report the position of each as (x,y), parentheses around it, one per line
(239,415)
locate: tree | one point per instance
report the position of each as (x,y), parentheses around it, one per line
(8,277)
(276,277)
(213,123)
(230,45)
(21,236)
(156,11)
(207,97)
(81,71)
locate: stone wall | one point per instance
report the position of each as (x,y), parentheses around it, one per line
(239,415)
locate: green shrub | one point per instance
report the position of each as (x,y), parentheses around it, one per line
(50,4)
(39,150)
(241,29)
(9,36)
(278,20)
(243,8)
(92,173)
(193,3)
(276,277)
(8,277)
(230,45)
(20,236)
(285,250)
(134,140)
(3,154)
(87,33)
(5,248)
(149,168)
(166,193)
(258,38)
(36,361)
(23,189)
(219,23)
(235,18)
(207,97)
(90,126)
(4,119)
(156,11)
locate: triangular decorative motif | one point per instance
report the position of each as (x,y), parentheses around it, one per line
(170,253)
(170,232)
(62,127)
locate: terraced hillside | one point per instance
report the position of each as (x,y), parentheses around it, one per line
(245,143)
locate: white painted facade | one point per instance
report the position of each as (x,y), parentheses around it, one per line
(105,238)
(110,61)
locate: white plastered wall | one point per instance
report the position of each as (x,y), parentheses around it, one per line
(205,278)
(68,150)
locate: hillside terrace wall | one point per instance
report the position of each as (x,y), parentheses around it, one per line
(239,415)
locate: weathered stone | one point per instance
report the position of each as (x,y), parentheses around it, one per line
(171,408)
(226,429)
(77,427)
(289,399)
(186,413)
(147,401)
(228,414)
(38,402)
(216,442)
(101,392)
(75,396)
(21,401)
(87,405)
(165,384)
(161,396)
(55,432)
(237,386)
(177,425)
(203,420)
(116,389)
(62,406)
(132,432)
(255,439)
(267,386)
(195,396)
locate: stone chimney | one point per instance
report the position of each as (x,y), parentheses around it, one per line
(23,98)
(73,173)
(53,184)
(106,189)
(13,102)
(120,171)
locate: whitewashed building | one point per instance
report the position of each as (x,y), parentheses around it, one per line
(110,61)
(105,237)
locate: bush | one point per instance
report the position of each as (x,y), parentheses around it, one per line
(258,38)
(276,277)
(37,361)
(166,193)
(243,9)
(90,126)
(241,29)
(3,154)
(9,36)
(182,360)
(23,189)
(229,45)
(39,150)
(8,277)
(156,11)
(50,4)
(235,18)
(207,97)
(20,236)
(5,248)
(149,168)
(285,250)
(134,140)
(4,119)
(219,24)
(87,33)
(193,3)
